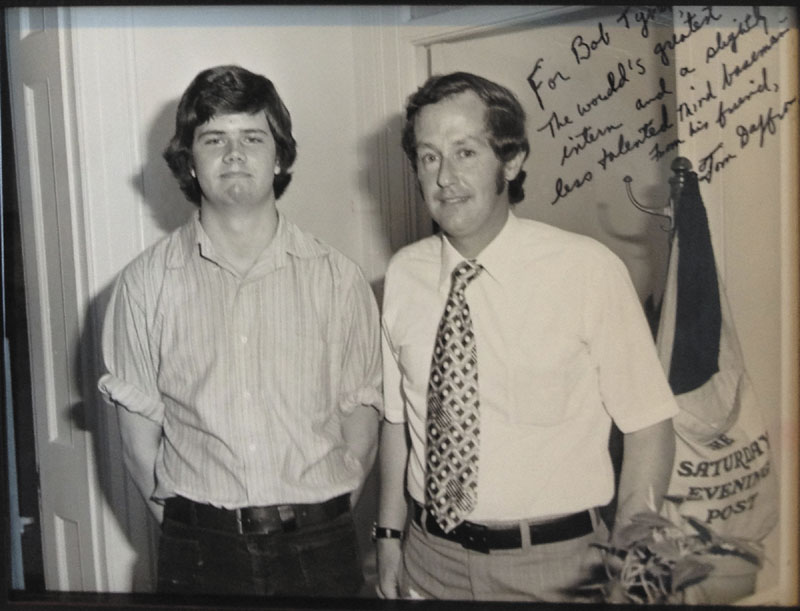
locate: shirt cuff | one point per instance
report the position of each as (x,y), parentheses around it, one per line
(116,390)
(368,396)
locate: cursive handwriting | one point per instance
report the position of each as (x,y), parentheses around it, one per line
(643,16)
(661,48)
(662,91)
(625,146)
(764,125)
(656,154)
(695,127)
(711,163)
(562,189)
(720,94)
(616,81)
(554,124)
(729,75)
(725,110)
(731,40)
(688,109)
(584,138)
(552,81)
(582,50)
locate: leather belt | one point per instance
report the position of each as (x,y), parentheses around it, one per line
(264,520)
(482,538)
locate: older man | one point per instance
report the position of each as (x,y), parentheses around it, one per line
(510,346)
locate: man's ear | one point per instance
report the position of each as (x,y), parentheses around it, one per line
(512,167)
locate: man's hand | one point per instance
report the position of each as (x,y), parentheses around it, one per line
(390,562)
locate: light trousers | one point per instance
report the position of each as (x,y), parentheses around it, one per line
(435,568)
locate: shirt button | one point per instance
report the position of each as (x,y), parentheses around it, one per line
(244,339)
(247,395)
(252,447)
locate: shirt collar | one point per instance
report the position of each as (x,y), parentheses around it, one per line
(288,241)
(495,258)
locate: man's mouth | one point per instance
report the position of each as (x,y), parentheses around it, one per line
(453,199)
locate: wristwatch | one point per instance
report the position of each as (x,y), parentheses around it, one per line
(381,532)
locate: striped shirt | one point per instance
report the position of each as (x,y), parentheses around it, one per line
(250,376)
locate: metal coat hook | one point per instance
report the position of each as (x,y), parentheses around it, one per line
(665,212)
(681,166)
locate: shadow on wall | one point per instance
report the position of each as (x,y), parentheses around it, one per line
(155,183)
(169,209)
(652,241)
(99,419)
(381,176)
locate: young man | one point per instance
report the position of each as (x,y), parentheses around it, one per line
(509,347)
(244,358)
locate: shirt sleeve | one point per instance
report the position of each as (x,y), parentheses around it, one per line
(633,386)
(393,398)
(130,378)
(361,369)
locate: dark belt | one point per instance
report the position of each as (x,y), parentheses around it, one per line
(254,520)
(482,538)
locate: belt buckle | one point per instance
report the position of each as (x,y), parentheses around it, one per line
(475,538)
(288,517)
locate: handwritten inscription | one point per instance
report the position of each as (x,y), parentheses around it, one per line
(694,22)
(715,161)
(643,16)
(582,50)
(730,39)
(725,92)
(767,123)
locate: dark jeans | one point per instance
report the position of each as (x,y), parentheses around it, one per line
(319,560)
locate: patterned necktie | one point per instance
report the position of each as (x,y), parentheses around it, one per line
(453,422)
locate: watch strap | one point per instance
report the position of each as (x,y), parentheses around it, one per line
(381,532)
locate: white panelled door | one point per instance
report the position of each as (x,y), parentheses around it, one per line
(55,289)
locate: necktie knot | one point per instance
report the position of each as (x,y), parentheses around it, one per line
(464,273)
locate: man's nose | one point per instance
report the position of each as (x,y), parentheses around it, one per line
(445,177)
(234,153)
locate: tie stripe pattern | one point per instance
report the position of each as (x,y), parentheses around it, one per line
(453,421)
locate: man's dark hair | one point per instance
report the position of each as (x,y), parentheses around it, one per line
(228,90)
(505,118)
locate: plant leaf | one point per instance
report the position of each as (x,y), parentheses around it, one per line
(689,571)
(666,550)
(631,533)
(706,534)
(652,519)
(752,552)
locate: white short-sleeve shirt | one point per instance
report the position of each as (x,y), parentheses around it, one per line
(563,349)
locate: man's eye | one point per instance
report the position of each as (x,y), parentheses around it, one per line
(466,153)
(211,140)
(254,140)
(428,158)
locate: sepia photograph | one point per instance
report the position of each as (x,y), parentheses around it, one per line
(378,306)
